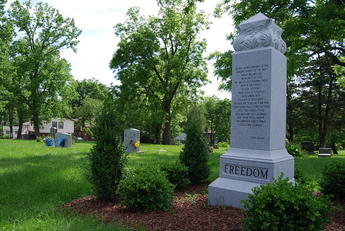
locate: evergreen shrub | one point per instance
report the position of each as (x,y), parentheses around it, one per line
(107,157)
(146,190)
(177,174)
(333,179)
(195,152)
(281,205)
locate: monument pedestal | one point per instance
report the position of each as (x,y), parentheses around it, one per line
(243,169)
(258,114)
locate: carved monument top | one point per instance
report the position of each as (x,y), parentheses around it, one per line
(257,32)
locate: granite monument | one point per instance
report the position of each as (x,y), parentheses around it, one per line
(258,119)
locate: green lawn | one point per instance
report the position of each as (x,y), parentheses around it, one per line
(311,166)
(35,181)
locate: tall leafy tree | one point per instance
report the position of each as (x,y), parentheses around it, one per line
(161,56)
(218,118)
(42,32)
(314,33)
(6,36)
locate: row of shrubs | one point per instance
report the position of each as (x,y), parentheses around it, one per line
(143,189)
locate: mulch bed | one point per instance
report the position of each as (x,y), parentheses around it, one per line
(190,212)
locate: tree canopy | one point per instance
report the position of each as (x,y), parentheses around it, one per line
(314,32)
(161,57)
(41,33)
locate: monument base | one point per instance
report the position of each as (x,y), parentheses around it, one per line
(243,169)
(229,192)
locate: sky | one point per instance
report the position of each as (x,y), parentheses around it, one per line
(98,42)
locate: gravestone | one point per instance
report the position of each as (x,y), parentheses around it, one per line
(63,139)
(258,118)
(308,146)
(131,139)
(53,131)
(325,152)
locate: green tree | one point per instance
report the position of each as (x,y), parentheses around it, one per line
(42,32)
(88,88)
(314,33)
(88,110)
(218,118)
(161,56)
(6,36)
(195,153)
(340,72)
(107,157)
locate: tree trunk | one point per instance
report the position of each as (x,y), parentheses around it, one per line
(10,119)
(290,133)
(36,121)
(325,119)
(158,130)
(167,129)
(21,121)
(320,118)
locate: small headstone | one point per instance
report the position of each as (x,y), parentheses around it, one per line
(325,152)
(63,139)
(53,131)
(308,146)
(132,140)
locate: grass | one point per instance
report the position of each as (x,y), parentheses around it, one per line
(311,166)
(35,181)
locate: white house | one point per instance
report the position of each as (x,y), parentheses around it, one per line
(62,125)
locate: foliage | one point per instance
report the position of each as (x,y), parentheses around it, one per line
(107,157)
(42,32)
(160,58)
(88,111)
(314,34)
(294,149)
(340,72)
(223,144)
(177,174)
(195,153)
(87,100)
(146,190)
(333,179)
(218,118)
(281,205)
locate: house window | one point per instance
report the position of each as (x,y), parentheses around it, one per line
(54,124)
(60,125)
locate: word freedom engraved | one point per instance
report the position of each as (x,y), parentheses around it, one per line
(240,170)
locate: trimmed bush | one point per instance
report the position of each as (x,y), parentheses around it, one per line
(281,205)
(107,157)
(177,174)
(195,152)
(146,190)
(333,179)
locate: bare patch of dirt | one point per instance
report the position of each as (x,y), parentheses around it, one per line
(190,212)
